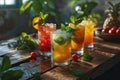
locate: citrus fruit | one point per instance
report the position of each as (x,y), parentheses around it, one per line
(35,22)
(72,25)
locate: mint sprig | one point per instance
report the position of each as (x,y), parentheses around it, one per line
(74,19)
(87,57)
(67,28)
(25,42)
(43,17)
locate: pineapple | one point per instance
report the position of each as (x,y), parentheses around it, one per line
(113,15)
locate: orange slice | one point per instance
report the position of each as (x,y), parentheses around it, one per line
(35,22)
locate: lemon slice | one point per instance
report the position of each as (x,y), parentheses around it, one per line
(72,25)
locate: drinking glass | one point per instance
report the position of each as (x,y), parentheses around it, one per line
(44,38)
(77,39)
(61,47)
(89,34)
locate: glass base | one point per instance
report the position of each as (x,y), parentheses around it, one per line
(61,63)
(79,52)
(89,46)
(47,54)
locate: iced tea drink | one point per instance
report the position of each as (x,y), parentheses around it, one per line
(89,33)
(61,47)
(44,38)
(77,39)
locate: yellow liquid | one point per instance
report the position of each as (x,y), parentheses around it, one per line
(61,53)
(89,33)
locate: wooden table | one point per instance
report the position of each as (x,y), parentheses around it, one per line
(106,54)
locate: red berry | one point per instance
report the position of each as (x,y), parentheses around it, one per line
(74,57)
(114,28)
(105,30)
(33,55)
(118,31)
(34,35)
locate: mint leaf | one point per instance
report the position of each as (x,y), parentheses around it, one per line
(43,17)
(76,72)
(5,64)
(60,40)
(12,75)
(87,57)
(73,19)
(67,28)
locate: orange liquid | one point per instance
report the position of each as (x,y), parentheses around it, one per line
(89,34)
(61,53)
(77,41)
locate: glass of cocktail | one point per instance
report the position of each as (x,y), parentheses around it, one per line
(44,38)
(89,33)
(61,47)
(77,38)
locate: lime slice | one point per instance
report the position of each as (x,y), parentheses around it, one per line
(60,40)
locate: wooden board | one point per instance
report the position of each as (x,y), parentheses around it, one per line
(105,57)
(106,54)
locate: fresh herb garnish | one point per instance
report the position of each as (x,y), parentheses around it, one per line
(25,42)
(60,40)
(74,20)
(11,74)
(87,56)
(42,18)
(67,28)
(76,72)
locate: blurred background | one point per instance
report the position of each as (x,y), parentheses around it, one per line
(12,23)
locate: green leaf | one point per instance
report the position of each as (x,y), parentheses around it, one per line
(5,64)
(72,3)
(36,76)
(87,56)
(76,72)
(37,6)
(12,75)
(60,40)
(24,35)
(25,42)
(67,28)
(63,27)
(43,16)
(25,6)
(73,19)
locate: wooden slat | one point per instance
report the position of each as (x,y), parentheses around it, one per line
(105,56)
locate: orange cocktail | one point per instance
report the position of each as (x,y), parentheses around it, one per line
(77,38)
(44,37)
(61,49)
(89,33)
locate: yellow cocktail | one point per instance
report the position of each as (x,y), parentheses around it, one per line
(61,49)
(77,38)
(89,33)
